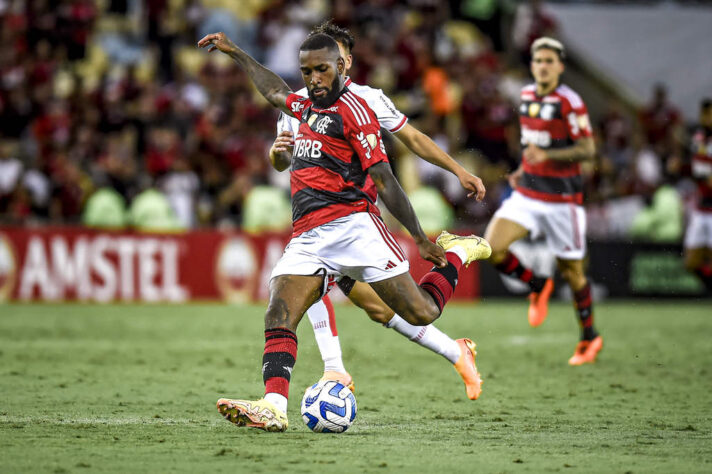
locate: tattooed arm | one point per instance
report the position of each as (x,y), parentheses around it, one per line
(270,85)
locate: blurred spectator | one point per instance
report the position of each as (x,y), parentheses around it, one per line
(661,124)
(10,177)
(114,95)
(181,185)
(531,21)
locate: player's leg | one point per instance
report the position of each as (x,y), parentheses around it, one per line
(503,232)
(698,247)
(290,296)
(321,316)
(699,261)
(421,304)
(461,353)
(591,342)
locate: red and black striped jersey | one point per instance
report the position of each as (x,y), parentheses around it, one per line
(555,120)
(333,149)
(702,167)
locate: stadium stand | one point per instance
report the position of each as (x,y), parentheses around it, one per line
(115,94)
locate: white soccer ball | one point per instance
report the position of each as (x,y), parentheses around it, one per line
(328,407)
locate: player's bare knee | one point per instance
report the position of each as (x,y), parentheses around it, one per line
(420,314)
(498,255)
(380,315)
(419,319)
(277,315)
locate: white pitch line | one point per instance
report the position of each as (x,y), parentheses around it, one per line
(105,421)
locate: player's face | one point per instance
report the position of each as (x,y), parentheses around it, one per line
(322,73)
(546,66)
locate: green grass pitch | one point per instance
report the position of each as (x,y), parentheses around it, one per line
(124,388)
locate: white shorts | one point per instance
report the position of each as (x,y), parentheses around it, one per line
(563,225)
(699,230)
(359,246)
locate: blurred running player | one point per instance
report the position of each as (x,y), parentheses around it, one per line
(461,352)
(698,236)
(548,193)
(339,166)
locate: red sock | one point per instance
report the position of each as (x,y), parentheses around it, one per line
(278,360)
(513,267)
(440,282)
(584,311)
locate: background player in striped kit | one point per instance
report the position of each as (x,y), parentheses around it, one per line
(548,193)
(698,235)
(338,167)
(459,352)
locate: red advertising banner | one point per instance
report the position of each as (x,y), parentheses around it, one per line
(78,264)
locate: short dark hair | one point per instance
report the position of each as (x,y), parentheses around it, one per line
(706,103)
(320,41)
(341,35)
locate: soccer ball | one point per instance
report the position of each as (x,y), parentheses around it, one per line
(328,407)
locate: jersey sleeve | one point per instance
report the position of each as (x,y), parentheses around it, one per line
(388,115)
(297,104)
(287,123)
(577,120)
(363,132)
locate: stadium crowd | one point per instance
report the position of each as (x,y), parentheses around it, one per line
(115,96)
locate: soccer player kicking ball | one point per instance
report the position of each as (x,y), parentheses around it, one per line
(461,352)
(548,193)
(338,167)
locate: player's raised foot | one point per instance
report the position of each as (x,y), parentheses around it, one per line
(253,413)
(465,366)
(586,351)
(539,303)
(344,378)
(476,247)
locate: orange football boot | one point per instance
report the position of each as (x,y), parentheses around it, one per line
(586,351)
(465,366)
(539,303)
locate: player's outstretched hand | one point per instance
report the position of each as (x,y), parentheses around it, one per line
(432,252)
(534,155)
(218,41)
(474,184)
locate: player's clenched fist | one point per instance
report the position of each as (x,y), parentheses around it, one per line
(219,41)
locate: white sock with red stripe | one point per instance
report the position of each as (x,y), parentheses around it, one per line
(321,316)
(428,336)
